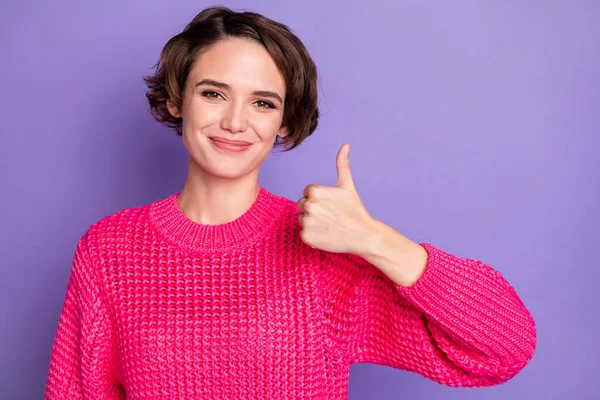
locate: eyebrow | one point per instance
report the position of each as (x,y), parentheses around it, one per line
(222,85)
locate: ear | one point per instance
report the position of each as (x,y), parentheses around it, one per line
(172,109)
(283,132)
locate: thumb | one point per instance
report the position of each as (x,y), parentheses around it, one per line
(343,168)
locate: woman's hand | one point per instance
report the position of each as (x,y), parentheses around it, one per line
(334,218)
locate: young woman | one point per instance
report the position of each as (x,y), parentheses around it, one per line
(225,290)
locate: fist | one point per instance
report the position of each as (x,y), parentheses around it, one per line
(334,218)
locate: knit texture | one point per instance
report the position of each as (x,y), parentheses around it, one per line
(161,307)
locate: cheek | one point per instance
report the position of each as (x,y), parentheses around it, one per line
(200,115)
(267,126)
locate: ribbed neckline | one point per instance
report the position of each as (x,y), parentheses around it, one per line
(258,221)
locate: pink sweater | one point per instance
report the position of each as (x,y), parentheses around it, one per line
(161,307)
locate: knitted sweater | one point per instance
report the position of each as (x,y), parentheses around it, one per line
(161,307)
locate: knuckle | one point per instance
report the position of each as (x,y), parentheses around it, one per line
(314,190)
(309,207)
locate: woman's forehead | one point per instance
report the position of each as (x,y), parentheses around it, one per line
(241,64)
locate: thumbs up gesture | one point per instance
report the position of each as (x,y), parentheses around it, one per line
(334,218)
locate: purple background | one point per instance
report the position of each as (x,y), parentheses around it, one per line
(473,127)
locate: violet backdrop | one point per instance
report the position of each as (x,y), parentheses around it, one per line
(473,126)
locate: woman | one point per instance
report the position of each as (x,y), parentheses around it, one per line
(226,290)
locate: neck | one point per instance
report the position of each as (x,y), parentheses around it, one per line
(211,200)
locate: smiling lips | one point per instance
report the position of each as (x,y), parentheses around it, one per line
(232,146)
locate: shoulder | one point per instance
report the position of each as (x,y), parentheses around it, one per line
(290,216)
(119,227)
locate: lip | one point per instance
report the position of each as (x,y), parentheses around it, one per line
(235,146)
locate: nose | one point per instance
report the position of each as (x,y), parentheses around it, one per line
(234,119)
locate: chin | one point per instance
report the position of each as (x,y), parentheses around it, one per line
(228,174)
(225,170)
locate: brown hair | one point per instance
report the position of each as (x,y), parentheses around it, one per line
(300,114)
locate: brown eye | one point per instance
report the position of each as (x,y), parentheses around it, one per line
(210,95)
(265,104)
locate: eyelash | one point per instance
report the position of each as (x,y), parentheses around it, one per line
(268,105)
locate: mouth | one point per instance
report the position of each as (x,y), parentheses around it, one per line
(230,147)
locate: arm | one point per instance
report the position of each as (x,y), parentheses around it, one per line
(453,320)
(82,358)
(459,324)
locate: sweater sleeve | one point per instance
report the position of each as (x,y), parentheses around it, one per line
(82,358)
(460,324)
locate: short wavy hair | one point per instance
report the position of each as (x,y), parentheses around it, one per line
(213,24)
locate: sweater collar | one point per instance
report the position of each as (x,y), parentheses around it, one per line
(258,221)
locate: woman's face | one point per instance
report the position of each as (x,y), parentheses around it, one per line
(234,91)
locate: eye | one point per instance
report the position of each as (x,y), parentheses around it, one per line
(265,104)
(210,94)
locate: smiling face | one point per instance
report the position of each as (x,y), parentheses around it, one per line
(234,91)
